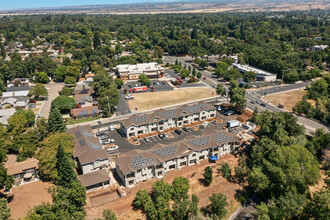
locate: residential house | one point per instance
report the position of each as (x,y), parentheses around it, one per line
(165,119)
(138,166)
(319,47)
(19,82)
(15,102)
(23,172)
(132,72)
(84,97)
(16,91)
(5,115)
(90,157)
(84,112)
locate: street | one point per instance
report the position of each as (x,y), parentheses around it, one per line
(53,89)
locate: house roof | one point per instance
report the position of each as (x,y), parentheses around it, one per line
(18,88)
(165,114)
(5,114)
(87,147)
(15,94)
(95,177)
(89,110)
(135,160)
(20,167)
(89,75)
(84,95)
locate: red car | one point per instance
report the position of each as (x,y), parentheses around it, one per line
(32,101)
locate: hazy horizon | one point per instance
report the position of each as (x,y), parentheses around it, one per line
(24,4)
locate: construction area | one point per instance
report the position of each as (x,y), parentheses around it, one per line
(147,101)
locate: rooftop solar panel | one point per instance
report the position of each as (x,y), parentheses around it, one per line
(82,142)
(86,133)
(78,134)
(85,112)
(140,119)
(140,161)
(199,142)
(94,111)
(166,151)
(167,114)
(195,108)
(222,138)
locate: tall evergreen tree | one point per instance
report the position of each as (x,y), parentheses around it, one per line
(65,172)
(55,122)
(3,50)
(96,39)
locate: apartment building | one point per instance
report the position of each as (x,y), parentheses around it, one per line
(138,166)
(164,119)
(91,158)
(132,72)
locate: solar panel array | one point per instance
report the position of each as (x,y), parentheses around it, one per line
(140,119)
(166,151)
(222,138)
(94,146)
(199,142)
(78,134)
(94,111)
(82,142)
(195,108)
(140,161)
(168,114)
(85,112)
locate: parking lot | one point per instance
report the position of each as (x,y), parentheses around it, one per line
(125,146)
(184,84)
(158,85)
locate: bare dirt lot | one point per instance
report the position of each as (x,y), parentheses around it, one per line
(152,100)
(123,206)
(288,99)
(27,196)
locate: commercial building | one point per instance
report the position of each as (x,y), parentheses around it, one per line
(165,119)
(261,75)
(90,157)
(132,72)
(138,166)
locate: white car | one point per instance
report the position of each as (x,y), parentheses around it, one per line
(111,128)
(112,148)
(108,141)
(128,97)
(38,115)
(165,135)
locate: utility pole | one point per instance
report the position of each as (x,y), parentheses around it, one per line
(108,104)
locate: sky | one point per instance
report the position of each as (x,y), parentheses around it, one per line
(19,4)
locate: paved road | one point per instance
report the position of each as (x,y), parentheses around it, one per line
(123,108)
(53,89)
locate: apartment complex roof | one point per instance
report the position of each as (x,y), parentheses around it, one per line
(165,114)
(87,147)
(84,111)
(20,167)
(93,178)
(136,159)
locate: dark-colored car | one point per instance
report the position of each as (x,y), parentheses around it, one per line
(252,102)
(161,136)
(100,133)
(263,104)
(185,129)
(146,140)
(163,83)
(179,132)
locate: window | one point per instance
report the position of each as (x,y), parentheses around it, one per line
(182,158)
(172,167)
(149,168)
(183,163)
(194,155)
(140,132)
(131,134)
(160,173)
(201,157)
(212,115)
(138,171)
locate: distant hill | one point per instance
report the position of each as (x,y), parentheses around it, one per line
(181,6)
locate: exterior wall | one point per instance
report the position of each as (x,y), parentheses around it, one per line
(87,168)
(85,116)
(86,104)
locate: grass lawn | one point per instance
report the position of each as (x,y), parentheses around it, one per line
(152,100)
(70,121)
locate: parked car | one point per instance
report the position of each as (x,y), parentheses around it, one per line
(32,101)
(257,101)
(263,104)
(103,137)
(163,83)
(128,97)
(179,132)
(32,105)
(38,115)
(108,141)
(111,128)
(185,129)
(113,148)
(129,86)
(230,112)
(100,133)
(146,140)
(165,135)
(252,102)
(161,136)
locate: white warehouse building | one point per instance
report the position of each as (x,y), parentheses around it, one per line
(261,75)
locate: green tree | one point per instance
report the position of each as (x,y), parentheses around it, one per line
(258,180)
(108,214)
(180,187)
(47,153)
(199,75)
(61,72)
(318,206)
(208,175)
(96,40)
(3,50)
(38,90)
(143,201)
(227,60)
(249,76)
(66,61)
(241,171)
(41,128)
(66,91)
(225,170)
(42,77)
(63,103)
(146,81)
(70,80)
(4,211)
(193,209)
(218,205)
(55,122)
(65,172)
(262,212)
(119,83)
(220,89)
(291,77)
(108,100)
